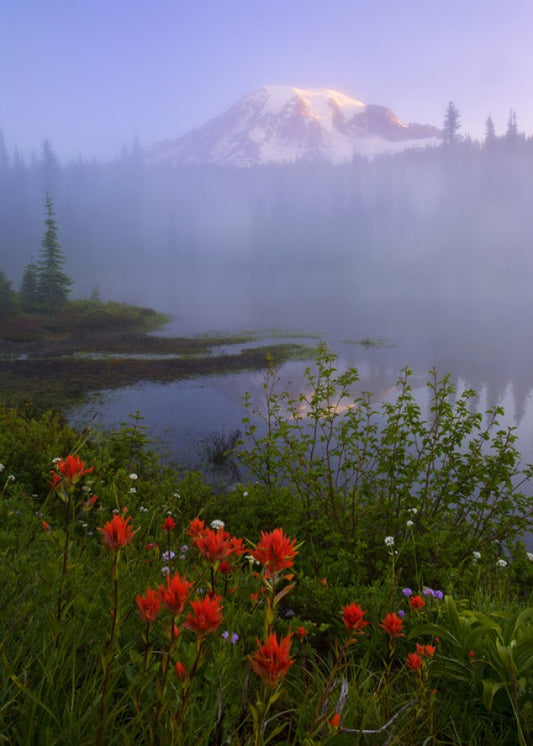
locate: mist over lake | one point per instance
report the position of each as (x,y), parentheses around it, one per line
(426,252)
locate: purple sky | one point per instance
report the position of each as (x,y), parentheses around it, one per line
(92,75)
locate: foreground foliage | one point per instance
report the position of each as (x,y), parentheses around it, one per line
(133,615)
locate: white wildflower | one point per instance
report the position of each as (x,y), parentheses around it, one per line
(217,525)
(11,478)
(501,563)
(529,555)
(132,490)
(2,467)
(389,541)
(134,476)
(409,524)
(476,555)
(414,511)
(245,494)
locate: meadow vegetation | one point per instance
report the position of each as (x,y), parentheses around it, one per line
(365,584)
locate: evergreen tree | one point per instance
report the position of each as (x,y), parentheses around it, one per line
(29,296)
(490,133)
(7,305)
(53,285)
(511,133)
(451,125)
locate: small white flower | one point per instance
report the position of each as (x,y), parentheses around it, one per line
(56,459)
(177,495)
(476,555)
(134,476)
(501,563)
(169,512)
(11,477)
(2,467)
(389,541)
(245,494)
(168,555)
(414,511)
(142,509)
(529,555)
(217,525)
(116,510)
(132,490)
(409,524)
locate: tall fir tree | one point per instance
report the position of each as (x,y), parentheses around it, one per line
(53,284)
(451,124)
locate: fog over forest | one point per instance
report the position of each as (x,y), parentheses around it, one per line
(432,245)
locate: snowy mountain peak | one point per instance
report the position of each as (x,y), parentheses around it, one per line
(284,124)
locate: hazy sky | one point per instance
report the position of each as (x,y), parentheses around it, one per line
(91,75)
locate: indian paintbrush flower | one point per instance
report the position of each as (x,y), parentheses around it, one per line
(393,625)
(117,532)
(275,551)
(175,593)
(352,616)
(206,615)
(272,660)
(149,606)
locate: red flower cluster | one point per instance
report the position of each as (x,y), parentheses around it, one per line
(352,616)
(206,616)
(417,602)
(218,545)
(71,469)
(169,524)
(117,533)
(425,651)
(149,606)
(392,624)
(196,528)
(272,661)
(415,661)
(275,551)
(174,595)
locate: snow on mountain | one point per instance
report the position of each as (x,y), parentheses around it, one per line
(284,124)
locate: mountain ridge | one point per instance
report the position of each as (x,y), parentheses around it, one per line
(276,124)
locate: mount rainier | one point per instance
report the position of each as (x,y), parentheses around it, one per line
(276,124)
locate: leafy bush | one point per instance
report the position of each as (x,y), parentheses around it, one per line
(440,488)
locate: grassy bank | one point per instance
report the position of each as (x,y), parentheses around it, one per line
(55,360)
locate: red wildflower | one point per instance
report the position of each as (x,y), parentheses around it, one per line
(213,545)
(117,533)
(237,547)
(46,527)
(169,523)
(275,551)
(175,594)
(90,502)
(206,615)
(149,606)
(416,602)
(225,568)
(352,616)
(181,671)
(272,661)
(414,662)
(302,633)
(425,651)
(196,528)
(392,624)
(71,469)
(335,720)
